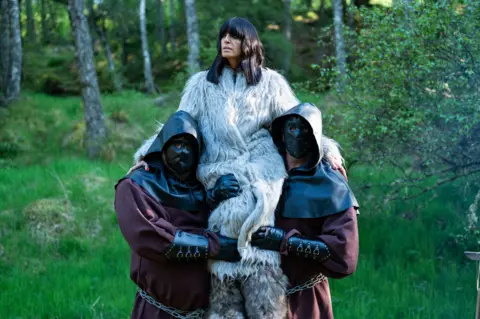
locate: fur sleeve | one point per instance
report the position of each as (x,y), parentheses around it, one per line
(140,153)
(331,148)
(193,94)
(283,98)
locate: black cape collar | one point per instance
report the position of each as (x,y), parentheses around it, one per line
(315,193)
(169,191)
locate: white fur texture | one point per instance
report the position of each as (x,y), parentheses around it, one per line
(233,119)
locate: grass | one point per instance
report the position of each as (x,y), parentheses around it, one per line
(62,255)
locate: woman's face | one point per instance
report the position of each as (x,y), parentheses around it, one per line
(231,47)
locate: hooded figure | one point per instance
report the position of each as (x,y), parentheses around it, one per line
(316,219)
(162,213)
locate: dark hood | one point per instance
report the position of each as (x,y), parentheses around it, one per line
(158,182)
(178,123)
(313,116)
(313,190)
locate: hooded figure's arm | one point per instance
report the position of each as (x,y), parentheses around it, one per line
(150,235)
(340,234)
(334,250)
(284,99)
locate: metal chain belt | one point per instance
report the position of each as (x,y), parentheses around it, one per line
(200,313)
(174,312)
(307,284)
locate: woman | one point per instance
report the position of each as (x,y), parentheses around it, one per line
(316,223)
(234,103)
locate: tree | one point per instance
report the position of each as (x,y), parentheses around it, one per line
(172,27)
(192,36)
(339,41)
(13,71)
(44,23)
(147,68)
(97,20)
(287,32)
(4,48)
(31,36)
(94,117)
(160,26)
(412,98)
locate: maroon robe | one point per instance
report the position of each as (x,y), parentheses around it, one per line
(149,229)
(339,232)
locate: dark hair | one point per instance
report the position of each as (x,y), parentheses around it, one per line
(252,51)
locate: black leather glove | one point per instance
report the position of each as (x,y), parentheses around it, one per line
(228,249)
(271,238)
(225,187)
(188,247)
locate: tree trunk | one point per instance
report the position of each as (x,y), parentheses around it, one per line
(108,53)
(147,68)
(52,20)
(94,118)
(339,41)
(4,48)
(30,22)
(91,22)
(173,39)
(192,36)
(321,15)
(287,32)
(160,26)
(98,25)
(15,63)
(43,22)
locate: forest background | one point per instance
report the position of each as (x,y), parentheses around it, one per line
(83,83)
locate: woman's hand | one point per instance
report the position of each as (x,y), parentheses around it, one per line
(337,164)
(138,165)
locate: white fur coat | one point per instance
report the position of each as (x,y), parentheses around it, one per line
(234,120)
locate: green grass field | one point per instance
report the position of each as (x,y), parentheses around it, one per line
(62,255)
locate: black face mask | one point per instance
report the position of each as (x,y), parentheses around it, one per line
(298,137)
(180,154)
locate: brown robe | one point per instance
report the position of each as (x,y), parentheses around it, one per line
(149,229)
(339,232)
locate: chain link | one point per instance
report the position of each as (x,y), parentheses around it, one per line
(200,313)
(307,284)
(174,312)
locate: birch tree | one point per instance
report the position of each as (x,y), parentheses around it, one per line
(147,67)
(192,36)
(339,40)
(14,71)
(287,32)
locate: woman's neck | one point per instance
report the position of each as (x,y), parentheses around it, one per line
(233,63)
(293,162)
